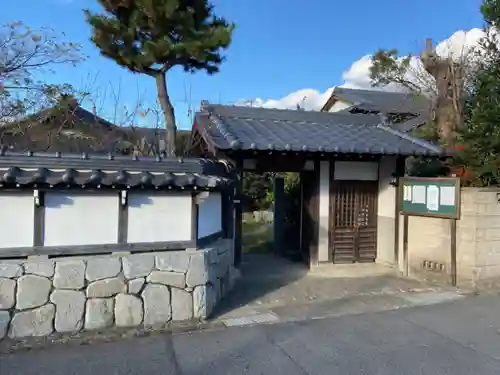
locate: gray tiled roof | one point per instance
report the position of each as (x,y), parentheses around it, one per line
(411,124)
(52,170)
(384,101)
(248,128)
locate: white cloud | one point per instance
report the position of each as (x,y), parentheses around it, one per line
(358,75)
(307,98)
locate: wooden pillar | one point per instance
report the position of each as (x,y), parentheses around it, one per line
(310,214)
(400,172)
(279,214)
(227,214)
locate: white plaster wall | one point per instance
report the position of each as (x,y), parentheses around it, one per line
(16,220)
(386,211)
(80,219)
(159,218)
(209,215)
(324,210)
(356,170)
(340,105)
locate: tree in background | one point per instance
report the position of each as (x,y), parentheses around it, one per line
(152,37)
(479,150)
(256,187)
(443,80)
(25,55)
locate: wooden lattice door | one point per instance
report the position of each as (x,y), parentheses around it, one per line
(353,232)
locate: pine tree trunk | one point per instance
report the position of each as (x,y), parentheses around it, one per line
(168,112)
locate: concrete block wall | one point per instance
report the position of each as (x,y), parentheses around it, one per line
(39,297)
(478,243)
(486,237)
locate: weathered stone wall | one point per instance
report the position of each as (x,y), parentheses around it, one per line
(478,243)
(41,296)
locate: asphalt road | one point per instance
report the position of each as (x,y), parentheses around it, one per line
(455,338)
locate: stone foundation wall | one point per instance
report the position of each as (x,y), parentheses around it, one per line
(39,297)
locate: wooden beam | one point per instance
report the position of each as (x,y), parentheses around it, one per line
(16,252)
(38,218)
(122,217)
(195,213)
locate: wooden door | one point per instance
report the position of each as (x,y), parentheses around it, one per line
(353,224)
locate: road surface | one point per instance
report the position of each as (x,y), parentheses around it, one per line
(455,338)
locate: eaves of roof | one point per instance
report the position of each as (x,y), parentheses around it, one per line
(91,171)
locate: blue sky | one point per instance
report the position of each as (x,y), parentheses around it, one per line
(278,47)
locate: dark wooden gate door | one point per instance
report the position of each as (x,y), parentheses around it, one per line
(353,232)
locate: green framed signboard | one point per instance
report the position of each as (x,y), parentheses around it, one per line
(432,197)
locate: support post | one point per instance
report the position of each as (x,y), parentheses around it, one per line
(279,214)
(405,245)
(453,234)
(400,172)
(39,218)
(194,219)
(396,226)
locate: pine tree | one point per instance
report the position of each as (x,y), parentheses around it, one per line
(153,36)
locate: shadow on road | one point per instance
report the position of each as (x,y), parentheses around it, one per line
(261,275)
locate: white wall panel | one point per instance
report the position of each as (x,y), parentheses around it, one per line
(210,215)
(386,211)
(356,170)
(80,219)
(16,220)
(159,218)
(324,210)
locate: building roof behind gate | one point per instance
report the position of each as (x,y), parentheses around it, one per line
(262,129)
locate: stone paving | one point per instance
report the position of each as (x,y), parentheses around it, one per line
(274,289)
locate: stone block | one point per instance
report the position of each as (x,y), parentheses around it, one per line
(198,271)
(157,308)
(32,291)
(128,310)
(70,305)
(103,268)
(175,261)
(203,301)
(70,274)
(138,265)
(182,304)
(135,285)
(36,322)
(167,278)
(10,270)
(7,293)
(99,313)
(40,268)
(4,323)
(106,288)
(223,264)
(212,255)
